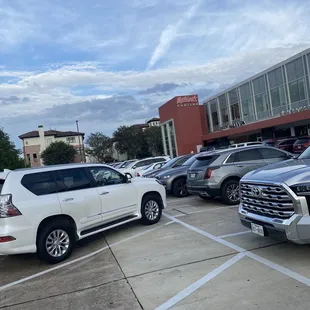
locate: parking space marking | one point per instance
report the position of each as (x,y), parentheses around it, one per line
(200,211)
(4,287)
(196,285)
(236,234)
(283,270)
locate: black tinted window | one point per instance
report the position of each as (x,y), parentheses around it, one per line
(203,161)
(72,179)
(271,153)
(105,176)
(249,155)
(189,161)
(232,158)
(42,183)
(304,140)
(288,142)
(1,184)
(143,163)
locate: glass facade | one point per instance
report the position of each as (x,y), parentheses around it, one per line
(276,91)
(169,139)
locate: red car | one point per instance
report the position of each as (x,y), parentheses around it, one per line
(301,144)
(286,144)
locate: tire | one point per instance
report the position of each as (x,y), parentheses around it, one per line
(230,192)
(151,209)
(179,188)
(60,229)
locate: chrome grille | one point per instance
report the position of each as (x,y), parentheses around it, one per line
(266,200)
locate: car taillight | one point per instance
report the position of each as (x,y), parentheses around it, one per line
(6,239)
(7,209)
(208,173)
(138,174)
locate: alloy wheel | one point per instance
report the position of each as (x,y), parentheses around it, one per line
(57,243)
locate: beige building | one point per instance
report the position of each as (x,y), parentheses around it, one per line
(35,142)
(154,122)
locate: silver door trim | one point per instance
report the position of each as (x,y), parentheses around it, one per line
(114,210)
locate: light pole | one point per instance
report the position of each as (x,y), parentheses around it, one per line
(80,148)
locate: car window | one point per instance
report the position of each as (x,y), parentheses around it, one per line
(271,153)
(288,142)
(303,140)
(72,179)
(181,161)
(158,166)
(105,176)
(42,183)
(127,163)
(189,161)
(232,158)
(254,143)
(203,161)
(1,184)
(249,155)
(143,163)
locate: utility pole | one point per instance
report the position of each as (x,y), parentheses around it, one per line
(80,147)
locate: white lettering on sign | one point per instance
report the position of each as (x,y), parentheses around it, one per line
(192,100)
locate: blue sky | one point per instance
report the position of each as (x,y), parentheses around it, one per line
(111,63)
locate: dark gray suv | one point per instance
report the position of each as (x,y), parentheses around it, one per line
(218,173)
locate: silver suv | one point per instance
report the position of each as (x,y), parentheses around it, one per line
(218,173)
(275,200)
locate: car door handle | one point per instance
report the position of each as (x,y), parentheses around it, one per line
(104,193)
(239,166)
(68,199)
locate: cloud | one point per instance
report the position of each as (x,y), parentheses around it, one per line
(161,88)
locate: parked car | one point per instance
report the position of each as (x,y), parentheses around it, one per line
(47,209)
(245,144)
(218,173)
(174,179)
(301,144)
(270,142)
(152,167)
(173,163)
(286,144)
(133,167)
(275,200)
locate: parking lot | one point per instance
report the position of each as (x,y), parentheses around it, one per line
(197,257)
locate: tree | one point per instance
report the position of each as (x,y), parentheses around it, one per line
(58,153)
(99,146)
(154,140)
(131,140)
(9,155)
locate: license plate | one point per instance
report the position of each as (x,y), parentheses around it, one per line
(257,229)
(192,175)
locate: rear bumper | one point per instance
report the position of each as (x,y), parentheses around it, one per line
(203,191)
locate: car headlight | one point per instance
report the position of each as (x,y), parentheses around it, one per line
(166,176)
(301,189)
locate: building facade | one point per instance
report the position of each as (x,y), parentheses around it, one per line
(183,124)
(271,104)
(35,142)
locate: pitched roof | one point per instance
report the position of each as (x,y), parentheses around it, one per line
(154,119)
(56,133)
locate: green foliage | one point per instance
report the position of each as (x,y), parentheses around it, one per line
(58,153)
(99,146)
(9,155)
(154,140)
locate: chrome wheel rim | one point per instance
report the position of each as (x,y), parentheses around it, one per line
(57,243)
(151,210)
(233,192)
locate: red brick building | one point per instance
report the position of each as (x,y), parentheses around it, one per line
(183,124)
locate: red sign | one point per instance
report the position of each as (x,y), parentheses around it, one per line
(187,100)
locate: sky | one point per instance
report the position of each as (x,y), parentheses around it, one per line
(111,63)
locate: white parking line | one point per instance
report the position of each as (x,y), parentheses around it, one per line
(4,287)
(193,287)
(236,234)
(256,257)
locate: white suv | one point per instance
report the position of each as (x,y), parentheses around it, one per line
(46,210)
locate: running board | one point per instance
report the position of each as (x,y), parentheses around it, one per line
(110,224)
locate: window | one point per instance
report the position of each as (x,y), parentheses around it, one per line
(49,141)
(1,184)
(172,138)
(271,153)
(248,110)
(249,155)
(295,69)
(278,97)
(143,163)
(70,139)
(26,142)
(287,142)
(28,158)
(158,166)
(275,78)
(215,119)
(223,108)
(297,90)
(35,158)
(233,96)
(245,91)
(235,112)
(42,183)
(262,105)
(259,85)
(203,161)
(105,176)
(232,158)
(72,179)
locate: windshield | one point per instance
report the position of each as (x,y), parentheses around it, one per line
(305,154)
(170,162)
(127,163)
(190,161)
(1,184)
(203,161)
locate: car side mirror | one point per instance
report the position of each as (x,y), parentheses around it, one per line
(127,178)
(134,167)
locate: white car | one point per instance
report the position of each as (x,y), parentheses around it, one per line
(149,168)
(47,209)
(135,166)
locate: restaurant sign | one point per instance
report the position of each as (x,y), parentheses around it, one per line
(187,101)
(293,111)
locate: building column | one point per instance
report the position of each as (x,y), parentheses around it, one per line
(292,131)
(163,138)
(169,141)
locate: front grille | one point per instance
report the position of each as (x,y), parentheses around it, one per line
(266,200)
